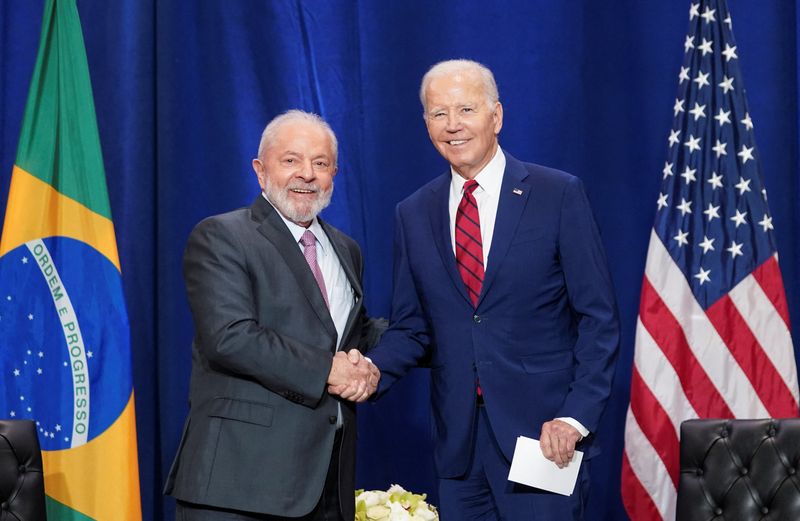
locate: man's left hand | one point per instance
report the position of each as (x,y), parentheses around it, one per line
(558,441)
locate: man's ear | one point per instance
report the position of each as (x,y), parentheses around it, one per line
(498,117)
(261,173)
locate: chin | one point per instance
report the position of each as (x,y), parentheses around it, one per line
(298,211)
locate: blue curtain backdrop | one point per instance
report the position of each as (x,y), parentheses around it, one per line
(183,89)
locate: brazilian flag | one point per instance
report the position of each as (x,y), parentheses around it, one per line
(65,357)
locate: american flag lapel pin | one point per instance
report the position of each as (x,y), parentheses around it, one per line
(517,191)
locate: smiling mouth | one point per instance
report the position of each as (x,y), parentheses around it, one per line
(456,142)
(302,191)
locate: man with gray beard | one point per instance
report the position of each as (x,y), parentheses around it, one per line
(275,293)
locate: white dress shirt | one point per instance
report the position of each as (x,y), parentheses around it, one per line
(487,196)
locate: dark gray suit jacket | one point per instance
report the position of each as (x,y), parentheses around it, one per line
(261,424)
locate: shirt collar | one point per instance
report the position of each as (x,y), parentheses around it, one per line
(297,231)
(490,179)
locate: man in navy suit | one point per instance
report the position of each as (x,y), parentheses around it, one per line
(501,283)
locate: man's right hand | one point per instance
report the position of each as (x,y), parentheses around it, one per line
(353,377)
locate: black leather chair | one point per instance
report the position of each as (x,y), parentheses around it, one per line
(735,470)
(21,477)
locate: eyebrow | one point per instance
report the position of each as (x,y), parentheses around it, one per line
(324,155)
(434,108)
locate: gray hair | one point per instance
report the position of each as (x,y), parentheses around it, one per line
(452,67)
(270,133)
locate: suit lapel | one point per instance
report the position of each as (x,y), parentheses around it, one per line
(348,265)
(439,209)
(274,229)
(509,211)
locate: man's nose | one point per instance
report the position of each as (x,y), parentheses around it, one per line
(306,171)
(453,122)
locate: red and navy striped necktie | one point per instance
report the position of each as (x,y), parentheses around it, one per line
(469,246)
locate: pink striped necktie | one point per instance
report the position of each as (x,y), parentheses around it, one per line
(309,242)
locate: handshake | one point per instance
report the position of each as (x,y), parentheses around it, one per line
(353,377)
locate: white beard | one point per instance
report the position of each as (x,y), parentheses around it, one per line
(297,212)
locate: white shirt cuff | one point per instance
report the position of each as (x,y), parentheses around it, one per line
(575,423)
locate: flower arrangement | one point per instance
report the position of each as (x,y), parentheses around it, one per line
(395,504)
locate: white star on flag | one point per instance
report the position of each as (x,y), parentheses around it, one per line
(685,207)
(739,218)
(693,143)
(729,52)
(715,181)
(701,79)
(673,137)
(747,122)
(699,111)
(712,212)
(719,148)
(746,153)
(681,238)
(702,276)
(707,244)
(723,116)
(678,107)
(735,249)
(743,185)
(726,84)
(688,175)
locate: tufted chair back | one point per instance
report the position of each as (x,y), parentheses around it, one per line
(739,470)
(21,478)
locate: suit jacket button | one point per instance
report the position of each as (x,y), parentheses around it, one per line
(332,419)
(476,319)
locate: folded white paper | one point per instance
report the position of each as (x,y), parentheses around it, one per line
(530,467)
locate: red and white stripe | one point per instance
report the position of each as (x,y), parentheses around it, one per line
(733,360)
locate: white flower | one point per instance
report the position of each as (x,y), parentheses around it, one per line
(373,497)
(395,504)
(423,514)
(398,513)
(379,512)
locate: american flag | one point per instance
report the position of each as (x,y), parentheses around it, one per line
(712,337)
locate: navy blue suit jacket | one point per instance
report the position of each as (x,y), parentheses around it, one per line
(543,338)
